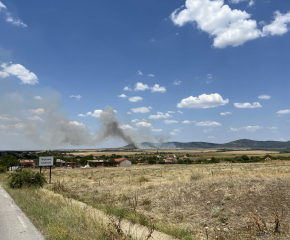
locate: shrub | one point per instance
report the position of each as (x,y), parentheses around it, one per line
(3,169)
(143,179)
(215,212)
(26,178)
(195,176)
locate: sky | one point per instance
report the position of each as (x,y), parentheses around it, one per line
(172,70)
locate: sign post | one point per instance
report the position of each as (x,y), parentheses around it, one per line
(46,162)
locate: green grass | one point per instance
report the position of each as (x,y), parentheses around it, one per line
(58,219)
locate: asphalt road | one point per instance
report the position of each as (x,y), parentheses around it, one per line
(14,225)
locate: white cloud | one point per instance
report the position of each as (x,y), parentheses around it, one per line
(141,87)
(151,75)
(286,111)
(251,3)
(234,129)
(266,97)
(140,110)
(129,113)
(38,111)
(143,124)
(95,114)
(208,130)
(279,25)
(19,71)
(272,128)
(187,122)
(248,105)
(4,74)
(77,97)
(127,88)
(176,130)
(228,27)
(248,128)
(252,128)
(9,18)
(211,137)
(180,112)
(170,121)
(75,123)
(5,117)
(35,118)
(157,88)
(225,113)
(160,115)
(173,133)
(2,6)
(122,95)
(157,130)
(177,82)
(203,101)
(135,99)
(208,124)
(140,73)
(37,97)
(125,127)
(135,120)
(15,22)
(171,112)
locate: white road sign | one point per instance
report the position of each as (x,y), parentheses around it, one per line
(45,161)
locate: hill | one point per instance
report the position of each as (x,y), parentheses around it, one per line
(242,143)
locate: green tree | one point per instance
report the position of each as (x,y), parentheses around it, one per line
(9,160)
(84,160)
(245,157)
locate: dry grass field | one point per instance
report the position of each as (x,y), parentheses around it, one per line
(213,201)
(173,151)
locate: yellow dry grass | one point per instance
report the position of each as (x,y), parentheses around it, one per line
(201,199)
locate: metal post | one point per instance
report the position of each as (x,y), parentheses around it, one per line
(50,175)
(40,169)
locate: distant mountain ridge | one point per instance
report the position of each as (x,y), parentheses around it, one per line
(242,143)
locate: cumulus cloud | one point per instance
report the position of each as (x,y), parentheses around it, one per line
(225,113)
(228,27)
(170,121)
(157,88)
(272,128)
(177,82)
(129,113)
(20,72)
(173,133)
(160,115)
(279,25)
(127,88)
(203,101)
(157,130)
(141,110)
(208,124)
(187,122)
(38,111)
(125,127)
(35,118)
(122,95)
(139,73)
(286,111)
(170,112)
(143,124)
(135,99)
(141,87)
(180,112)
(77,97)
(151,75)
(248,105)
(265,97)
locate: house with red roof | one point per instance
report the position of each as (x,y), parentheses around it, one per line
(123,162)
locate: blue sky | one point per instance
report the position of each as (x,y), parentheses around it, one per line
(198,57)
